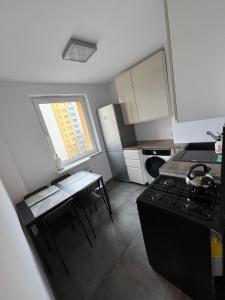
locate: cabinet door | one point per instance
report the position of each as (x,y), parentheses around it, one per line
(131,154)
(135,163)
(136,175)
(126,97)
(198,51)
(150,88)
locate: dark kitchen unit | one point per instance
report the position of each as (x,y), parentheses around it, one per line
(177,222)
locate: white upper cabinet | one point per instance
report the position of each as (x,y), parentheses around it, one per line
(143,91)
(197,34)
(150,87)
(127,98)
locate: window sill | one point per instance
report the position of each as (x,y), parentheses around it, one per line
(76,163)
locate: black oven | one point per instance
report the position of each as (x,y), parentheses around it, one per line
(177,223)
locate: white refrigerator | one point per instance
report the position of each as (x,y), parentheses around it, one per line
(117,136)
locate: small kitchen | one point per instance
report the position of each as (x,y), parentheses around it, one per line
(112,169)
(182,210)
(160,134)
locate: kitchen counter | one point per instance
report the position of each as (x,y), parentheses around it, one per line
(155,144)
(180,168)
(171,167)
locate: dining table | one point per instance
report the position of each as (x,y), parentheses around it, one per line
(31,210)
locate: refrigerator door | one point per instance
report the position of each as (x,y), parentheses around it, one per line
(118,166)
(110,128)
(127,133)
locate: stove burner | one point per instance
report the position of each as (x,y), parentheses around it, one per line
(174,193)
(155,196)
(168,182)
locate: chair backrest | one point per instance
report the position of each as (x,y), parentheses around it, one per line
(94,186)
(55,181)
(57,213)
(88,169)
(35,192)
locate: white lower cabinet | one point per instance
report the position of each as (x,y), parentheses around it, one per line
(136,175)
(135,166)
(135,163)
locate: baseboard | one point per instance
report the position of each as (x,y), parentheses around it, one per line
(109,181)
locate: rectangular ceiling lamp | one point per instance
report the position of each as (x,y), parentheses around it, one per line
(78,50)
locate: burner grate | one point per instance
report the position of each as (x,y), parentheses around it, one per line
(174,193)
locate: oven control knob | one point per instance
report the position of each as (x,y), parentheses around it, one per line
(154,152)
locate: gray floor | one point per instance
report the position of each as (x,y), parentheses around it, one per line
(116,268)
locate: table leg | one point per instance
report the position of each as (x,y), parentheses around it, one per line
(39,250)
(106,196)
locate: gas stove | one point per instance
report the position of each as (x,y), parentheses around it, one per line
(173,193)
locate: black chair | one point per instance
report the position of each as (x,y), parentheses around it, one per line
(95,193)
(57,180)
(54,222)
(88,198)
(81,200)
(84,202)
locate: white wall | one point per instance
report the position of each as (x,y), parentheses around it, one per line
(25,138)
(154,130)
(20,276)
(195,131)
(9,172)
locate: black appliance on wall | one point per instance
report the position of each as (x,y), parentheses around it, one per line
(177,220)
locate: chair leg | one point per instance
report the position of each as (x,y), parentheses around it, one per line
(106,196)
(89,223)
(110,215)
(106,204)
(86,234)
(83,227)
(59,255)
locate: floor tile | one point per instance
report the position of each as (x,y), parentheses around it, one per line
(134,279)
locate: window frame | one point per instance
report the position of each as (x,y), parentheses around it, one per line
(45,99)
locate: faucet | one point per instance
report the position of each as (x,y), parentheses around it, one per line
(215,137)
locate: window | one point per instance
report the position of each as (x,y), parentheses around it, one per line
(68,126)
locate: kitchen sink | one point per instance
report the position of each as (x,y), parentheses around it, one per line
(200,146)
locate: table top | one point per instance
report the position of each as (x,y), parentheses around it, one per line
(78,182)
(37,205)
(41,195)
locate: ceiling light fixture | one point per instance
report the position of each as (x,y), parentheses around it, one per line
(78,50)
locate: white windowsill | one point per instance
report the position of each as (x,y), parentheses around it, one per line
(76,163)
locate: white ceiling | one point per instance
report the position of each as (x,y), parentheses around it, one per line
(33,34)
